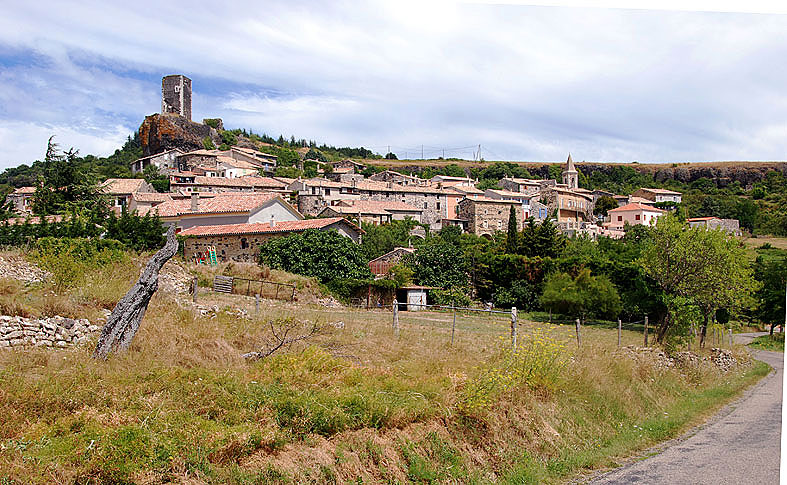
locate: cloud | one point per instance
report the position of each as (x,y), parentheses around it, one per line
(527,83)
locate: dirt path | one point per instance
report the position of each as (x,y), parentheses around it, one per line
(739,445)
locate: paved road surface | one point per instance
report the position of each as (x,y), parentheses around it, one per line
(740,446)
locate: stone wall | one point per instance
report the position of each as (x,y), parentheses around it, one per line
(242,248)
(19,332)
(488,217)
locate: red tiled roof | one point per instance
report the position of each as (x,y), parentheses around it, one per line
(221,181)
(122,186)
(366,206)
(264,227)
(635,206)
(150,197)
(220,204)
(267,182)
(25,190)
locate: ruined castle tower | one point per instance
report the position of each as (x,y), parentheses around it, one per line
(570,174)
(176,95)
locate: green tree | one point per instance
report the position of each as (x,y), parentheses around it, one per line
(64,186)
(207,143)
(696,263)
(543,240)
(382,238)
(326,255)
(154,177)
(439,263)
(771,272)
(390,156)
(604,204)
(512,236)
(583,296)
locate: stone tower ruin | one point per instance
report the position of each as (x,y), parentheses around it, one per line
(176,95)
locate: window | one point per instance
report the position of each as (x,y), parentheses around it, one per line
(244,243)
(438,206)
(620,218)
(636,217)
(327,191)
(424,205)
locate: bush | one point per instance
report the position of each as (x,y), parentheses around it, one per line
(537,362)
(68,259)
(326,255)
(136,232)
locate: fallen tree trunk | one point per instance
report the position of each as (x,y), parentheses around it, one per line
(125,319)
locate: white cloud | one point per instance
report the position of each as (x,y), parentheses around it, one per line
(528,82)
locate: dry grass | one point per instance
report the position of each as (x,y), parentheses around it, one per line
(182,405)
(756,242)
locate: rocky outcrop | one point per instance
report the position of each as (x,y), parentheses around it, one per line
(61,332)
(722,173)
(160,132)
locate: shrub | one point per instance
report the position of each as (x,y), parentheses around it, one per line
(536,363)
(68,259)
(326,255)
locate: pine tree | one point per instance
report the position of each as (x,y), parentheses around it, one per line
(512,240)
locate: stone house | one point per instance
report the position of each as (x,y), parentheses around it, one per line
(730,226)
(231,168)
(373,212)
(210,158)
(397,178)
(531,207)
(658,195)
(226,208)
(570,205)
(167,160)
(241,242)
(202,183)
(143,202)
(632,214)
(120,191)
(486,216)
(21,199)
(513,184)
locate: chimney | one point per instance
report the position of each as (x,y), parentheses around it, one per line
(273,221)
(194,202)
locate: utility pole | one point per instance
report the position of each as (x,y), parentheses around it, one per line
(422,152)
(479,152)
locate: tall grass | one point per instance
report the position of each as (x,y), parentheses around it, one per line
(182,405)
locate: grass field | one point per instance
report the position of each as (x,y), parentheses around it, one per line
(352,404)
(775,242)
(773,342)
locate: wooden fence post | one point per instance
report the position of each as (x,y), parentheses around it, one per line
(619,329)
(453,325)
(730,336)
(194,289)
(257,303)
(579,334)
(513,328)
(396,317)
(646,330)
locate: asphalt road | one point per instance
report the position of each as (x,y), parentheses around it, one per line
(740,445)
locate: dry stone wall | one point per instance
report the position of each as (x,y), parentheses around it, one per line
(19,332)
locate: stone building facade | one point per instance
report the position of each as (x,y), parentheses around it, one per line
(176,95)
(241,242)
(486,216)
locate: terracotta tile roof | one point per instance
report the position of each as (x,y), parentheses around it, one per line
(663,191)
(24,190)
(374,206)
(159,154)
(221,181)
(634,207)
(264,227)
(150,197)
(122,186)
(237,163)
(700,219)
(487,200)
(33,220)
(640,200)
(220,204)
(265,182)
(209,153)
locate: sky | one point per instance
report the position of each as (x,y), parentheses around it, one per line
(529,83)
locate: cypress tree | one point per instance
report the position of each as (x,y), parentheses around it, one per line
(512,240)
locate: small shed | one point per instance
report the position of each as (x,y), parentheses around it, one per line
(413,297)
